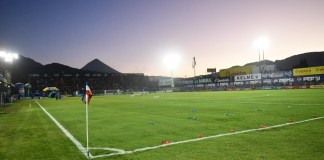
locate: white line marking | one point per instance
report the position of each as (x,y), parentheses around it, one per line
(108,149)
(67,133)
(199,139)
(283,104)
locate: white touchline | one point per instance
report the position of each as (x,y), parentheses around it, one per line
(67,133)
(208,137)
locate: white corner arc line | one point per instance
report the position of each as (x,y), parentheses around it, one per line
(67,133)
(208,137)
(108,149)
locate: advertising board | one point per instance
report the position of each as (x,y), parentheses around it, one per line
(316,86)
(309,78)
(248,77)
(279,74)
(286,80)
(308,71)
(221,80)
(236,71)
(203,80)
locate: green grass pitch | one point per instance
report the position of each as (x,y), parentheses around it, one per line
(132,122)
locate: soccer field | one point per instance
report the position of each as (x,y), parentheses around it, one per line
(198,125)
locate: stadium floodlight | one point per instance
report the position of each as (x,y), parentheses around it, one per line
(261,44)
(8,56)
(172,61)
(2,54)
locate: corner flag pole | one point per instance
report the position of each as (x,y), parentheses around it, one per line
(87,131)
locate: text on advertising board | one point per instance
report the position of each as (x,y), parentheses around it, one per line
(248,77)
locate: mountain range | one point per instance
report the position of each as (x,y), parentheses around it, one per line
(24,66)
(98,66)
(309,59)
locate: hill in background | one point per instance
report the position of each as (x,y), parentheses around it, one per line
(310,59)
(98,66)
(23,67)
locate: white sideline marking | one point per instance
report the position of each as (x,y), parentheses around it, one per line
(108,149)
(208,137)
(67,133)
(301,104)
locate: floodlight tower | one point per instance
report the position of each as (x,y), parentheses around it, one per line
(171,61)
(261,44)
(194,65)
(8,57)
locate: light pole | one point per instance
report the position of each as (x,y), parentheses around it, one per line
(8,58)
(194,65)
(261,44)
(171,61)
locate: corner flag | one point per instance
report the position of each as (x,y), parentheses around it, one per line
(88,93)
(86,99)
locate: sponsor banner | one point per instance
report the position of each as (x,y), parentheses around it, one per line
(223,84)
(268,81)
(279,74)
(316,86)
(203,80)
(211,69)
(248,77)
(236,71)
(210,85)
(200,85)
(221,80)
(313,78)
(309,78)
(295,87)
(286,80)
(308,71)
(238,83)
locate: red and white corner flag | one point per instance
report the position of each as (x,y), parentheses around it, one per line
(88,94)
(86,99)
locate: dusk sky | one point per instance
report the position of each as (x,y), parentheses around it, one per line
(133,36)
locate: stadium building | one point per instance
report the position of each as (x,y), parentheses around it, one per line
(256,77)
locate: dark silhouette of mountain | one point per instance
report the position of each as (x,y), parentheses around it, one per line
(309,59)
(58,68)
(23,67)
(267,62)
(98,66)
(299,61)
